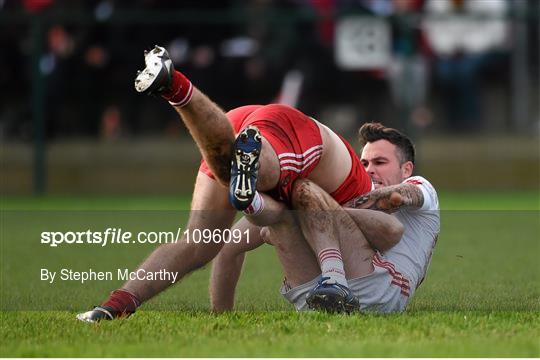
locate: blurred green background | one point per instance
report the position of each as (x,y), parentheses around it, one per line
(461,77)
(79,146)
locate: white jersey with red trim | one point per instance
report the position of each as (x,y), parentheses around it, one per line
(412,255)
(397,273)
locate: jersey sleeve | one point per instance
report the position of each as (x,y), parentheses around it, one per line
(431,200)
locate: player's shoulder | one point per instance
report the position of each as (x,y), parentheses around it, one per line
(431,199)
(418,180)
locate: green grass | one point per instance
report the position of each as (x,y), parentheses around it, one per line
(487,200)
(283,334)
(481,297)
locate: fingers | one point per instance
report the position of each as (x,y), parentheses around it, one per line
(391,202)
(396,200)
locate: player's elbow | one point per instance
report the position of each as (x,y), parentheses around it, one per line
(396,231)
(393,233)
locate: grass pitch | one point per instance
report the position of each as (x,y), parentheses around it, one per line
(481,297)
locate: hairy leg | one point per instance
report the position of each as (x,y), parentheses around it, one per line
(368,230)
(295,255)
(298,260)
(212,132)
(280,229)
(210,209)
(214,135)
(227,266)
(299,263)
(324,224)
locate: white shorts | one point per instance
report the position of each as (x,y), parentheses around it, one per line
(385,290)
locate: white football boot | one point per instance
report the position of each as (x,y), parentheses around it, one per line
(157,75)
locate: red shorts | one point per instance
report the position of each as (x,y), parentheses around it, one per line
(297,141)
(357,183)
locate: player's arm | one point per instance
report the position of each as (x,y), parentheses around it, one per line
(390,198)
(227,266)
(382,231)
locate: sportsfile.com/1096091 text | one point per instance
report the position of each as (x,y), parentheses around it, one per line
(119,236)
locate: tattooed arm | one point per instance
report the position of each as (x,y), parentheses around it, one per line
(390,198)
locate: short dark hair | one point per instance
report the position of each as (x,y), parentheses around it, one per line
(371,132)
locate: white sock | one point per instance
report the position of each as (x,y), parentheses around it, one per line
(332,265)
(256,206)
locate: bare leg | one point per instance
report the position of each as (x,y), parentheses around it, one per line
(297,259)
(299,263)
(210,210)
(281,230)
(315,215)
(324,224)
(212,132)
(214,135)
(227,266)
(382,231)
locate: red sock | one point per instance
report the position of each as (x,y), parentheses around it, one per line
(122,301)
(181,90)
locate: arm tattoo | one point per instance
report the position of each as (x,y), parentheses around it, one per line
(379,199)
(412,195)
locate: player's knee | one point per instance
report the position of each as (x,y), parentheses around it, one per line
(273,234)
(268,235)
(307,195)
(199,254)
(394,232)
(229,253)
(265,235)
(302,194)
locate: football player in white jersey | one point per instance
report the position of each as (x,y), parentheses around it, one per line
(388,157)
(383,276)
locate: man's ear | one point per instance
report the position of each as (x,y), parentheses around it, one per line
(407,169)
